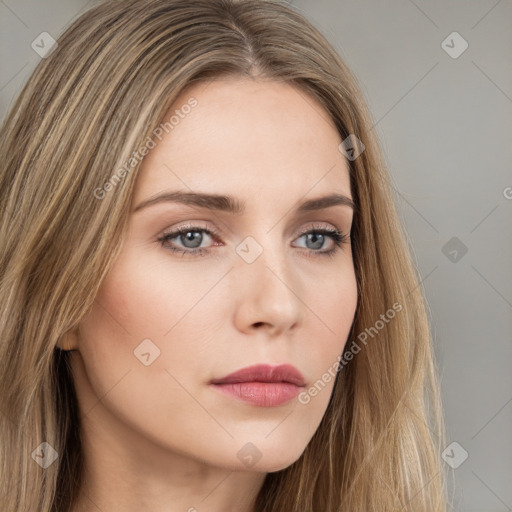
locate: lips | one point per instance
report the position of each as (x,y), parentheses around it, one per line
(264,373)
(261,385)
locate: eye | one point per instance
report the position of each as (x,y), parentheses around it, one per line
(190,236)
(187,240)
(316,237)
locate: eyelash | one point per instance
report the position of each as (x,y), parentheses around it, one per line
(338,238)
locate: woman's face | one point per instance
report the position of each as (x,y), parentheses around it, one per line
(168,320)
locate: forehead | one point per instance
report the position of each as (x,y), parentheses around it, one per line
(245,138)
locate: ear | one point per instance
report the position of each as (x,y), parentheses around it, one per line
(68,341)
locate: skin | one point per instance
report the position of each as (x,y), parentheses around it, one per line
(157,437)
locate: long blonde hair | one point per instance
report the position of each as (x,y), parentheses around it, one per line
(83,113)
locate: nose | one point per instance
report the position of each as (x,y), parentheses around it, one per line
(268,295)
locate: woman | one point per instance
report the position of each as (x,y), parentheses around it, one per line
(208,301)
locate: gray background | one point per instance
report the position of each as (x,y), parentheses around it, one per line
(445,124)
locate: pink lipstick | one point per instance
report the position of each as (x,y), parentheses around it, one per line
(262,385)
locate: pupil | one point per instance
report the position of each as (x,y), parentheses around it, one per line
(319,237)
(197,238)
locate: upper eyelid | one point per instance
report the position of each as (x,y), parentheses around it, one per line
(197,226)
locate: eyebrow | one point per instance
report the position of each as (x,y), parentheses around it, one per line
(236,207)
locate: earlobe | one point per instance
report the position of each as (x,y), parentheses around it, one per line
(68,341)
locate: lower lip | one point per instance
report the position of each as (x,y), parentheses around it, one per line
(264,394)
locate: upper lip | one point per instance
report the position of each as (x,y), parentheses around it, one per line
(264,373)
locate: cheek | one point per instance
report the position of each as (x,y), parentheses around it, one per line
(143,299)
(336,310)
(137,303)
(333,306)
(145,296)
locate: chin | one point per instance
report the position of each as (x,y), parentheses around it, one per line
(278,462)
